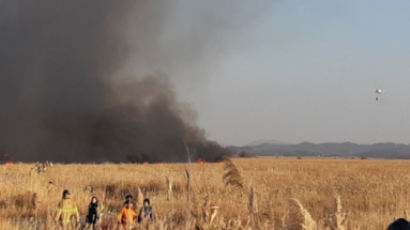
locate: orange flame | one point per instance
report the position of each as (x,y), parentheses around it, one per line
(146,163)
(9,163)
(200,161)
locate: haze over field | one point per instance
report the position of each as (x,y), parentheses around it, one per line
(346,149)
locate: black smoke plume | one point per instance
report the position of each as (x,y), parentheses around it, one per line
(63,97)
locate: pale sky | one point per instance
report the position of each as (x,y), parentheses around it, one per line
(292,70)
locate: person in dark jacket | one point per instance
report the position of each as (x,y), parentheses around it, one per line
(399,224)
(145,211)
(92,216)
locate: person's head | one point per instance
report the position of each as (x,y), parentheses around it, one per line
(146,202)
(94,200)
(66,194)
(129,197)
(399,224)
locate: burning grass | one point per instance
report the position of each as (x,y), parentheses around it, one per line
(257,193)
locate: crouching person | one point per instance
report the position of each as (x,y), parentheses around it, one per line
(127,216)
(399,224)
(67,213)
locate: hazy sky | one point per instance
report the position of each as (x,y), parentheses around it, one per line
(295,70)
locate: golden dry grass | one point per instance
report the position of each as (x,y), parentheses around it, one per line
(276,193)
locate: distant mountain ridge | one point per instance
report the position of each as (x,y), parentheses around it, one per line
(266,141)
(345,149)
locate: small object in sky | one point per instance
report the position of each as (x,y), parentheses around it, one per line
(378,93)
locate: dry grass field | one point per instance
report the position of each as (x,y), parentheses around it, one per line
(257,193)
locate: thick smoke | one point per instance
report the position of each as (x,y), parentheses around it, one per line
(63,95)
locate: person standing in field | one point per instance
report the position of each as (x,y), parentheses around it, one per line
(145,212)
(92,216)
(67,213)
(127,216)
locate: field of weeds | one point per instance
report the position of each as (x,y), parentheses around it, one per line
(256,193)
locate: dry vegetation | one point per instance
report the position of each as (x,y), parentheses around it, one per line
(258,193)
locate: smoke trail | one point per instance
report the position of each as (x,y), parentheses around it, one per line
(62,93)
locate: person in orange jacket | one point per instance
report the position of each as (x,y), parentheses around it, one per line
(127,216)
